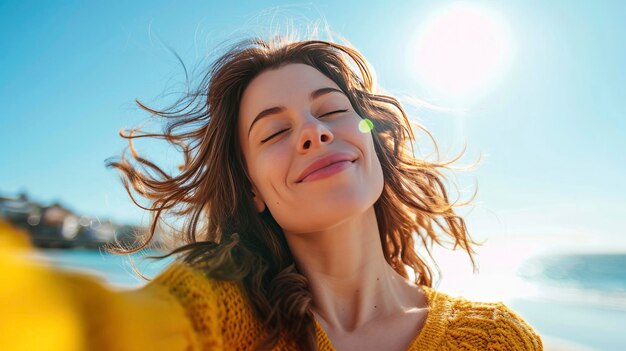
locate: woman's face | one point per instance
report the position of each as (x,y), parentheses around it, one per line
(292,122)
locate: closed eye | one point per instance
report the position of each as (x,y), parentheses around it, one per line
(273,135)
(330,113)
(284,130)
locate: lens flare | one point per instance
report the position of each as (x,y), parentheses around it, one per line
(366,126)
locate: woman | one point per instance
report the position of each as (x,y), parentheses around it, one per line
(303,201)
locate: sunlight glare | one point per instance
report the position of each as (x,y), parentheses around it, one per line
(461,51)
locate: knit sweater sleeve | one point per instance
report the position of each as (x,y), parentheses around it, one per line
(512,332)
(220,314)
(493,326)
(198,296)
(42,307)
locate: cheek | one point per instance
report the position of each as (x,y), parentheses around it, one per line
(364,141)
(376,171)
(270,173)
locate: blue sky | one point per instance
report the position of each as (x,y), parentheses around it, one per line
(551,129)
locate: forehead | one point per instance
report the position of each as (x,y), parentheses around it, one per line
(291,83)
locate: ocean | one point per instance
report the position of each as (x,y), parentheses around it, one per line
(580,298)
(597,272)
(575,301)
(114,270)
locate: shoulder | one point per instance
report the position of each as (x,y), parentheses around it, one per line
(195,290)
(218,310)
(499,325)
(484,325)
(190,284)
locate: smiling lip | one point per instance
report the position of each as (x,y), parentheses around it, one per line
(325,162)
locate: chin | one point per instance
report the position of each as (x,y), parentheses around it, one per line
(321,217)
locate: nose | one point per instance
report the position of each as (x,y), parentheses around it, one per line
(313,135)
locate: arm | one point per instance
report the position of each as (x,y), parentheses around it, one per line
(46,308)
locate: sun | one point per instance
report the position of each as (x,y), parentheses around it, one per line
(461,51)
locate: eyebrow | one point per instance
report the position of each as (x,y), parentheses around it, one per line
(278,109)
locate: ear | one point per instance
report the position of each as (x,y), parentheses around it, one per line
(258,200)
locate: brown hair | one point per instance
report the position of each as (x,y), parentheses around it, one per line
(226,237)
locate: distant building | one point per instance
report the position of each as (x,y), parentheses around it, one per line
(55,226)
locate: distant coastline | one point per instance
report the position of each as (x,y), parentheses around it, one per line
(56,226)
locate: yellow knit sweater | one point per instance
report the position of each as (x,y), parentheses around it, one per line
(47,309)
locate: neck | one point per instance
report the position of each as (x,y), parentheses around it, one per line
(350,281)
